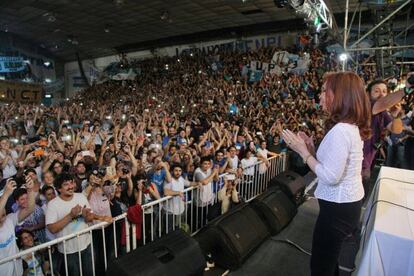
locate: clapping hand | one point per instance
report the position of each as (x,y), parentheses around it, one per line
(308,141)
(295,142)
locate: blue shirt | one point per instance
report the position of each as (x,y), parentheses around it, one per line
(158,178)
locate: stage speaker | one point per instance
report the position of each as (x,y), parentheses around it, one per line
(174,254)
(275,208)
(292,184)
(233,237)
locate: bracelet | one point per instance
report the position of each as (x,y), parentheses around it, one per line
(305,160)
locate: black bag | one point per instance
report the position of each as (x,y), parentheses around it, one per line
(233,237)
(275,208)
(174,254)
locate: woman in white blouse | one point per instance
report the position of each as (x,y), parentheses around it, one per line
(338,165)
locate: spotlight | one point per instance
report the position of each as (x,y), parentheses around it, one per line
(48,96)
(46,63)
(343,57)
(47,80)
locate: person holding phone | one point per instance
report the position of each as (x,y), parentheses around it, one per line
(8,224)
(338,165)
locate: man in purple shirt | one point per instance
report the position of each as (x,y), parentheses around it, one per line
(380,121)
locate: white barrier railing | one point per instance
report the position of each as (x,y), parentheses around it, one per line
(157,216)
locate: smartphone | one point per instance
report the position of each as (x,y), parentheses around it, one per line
(149,134)
(66,122)
(210,101)
(85,153)
(259,133)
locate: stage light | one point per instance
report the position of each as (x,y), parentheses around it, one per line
(48,96)
(47,80)
(46,63)
(343,57)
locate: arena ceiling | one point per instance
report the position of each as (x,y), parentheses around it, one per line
(97,28)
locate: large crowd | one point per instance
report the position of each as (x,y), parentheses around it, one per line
(182,122)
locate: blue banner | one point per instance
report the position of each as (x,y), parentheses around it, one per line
(11,64)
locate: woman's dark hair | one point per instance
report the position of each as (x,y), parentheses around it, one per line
(19,236)
(350,103)
(19,192)
(46,188)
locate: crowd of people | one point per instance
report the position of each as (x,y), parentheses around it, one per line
(182,122)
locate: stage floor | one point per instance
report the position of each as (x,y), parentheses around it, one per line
(279,258)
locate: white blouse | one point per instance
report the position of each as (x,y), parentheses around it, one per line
(340,158)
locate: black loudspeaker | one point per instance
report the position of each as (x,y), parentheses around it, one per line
(275,208)
(174,254)
(292,184)
(233,237)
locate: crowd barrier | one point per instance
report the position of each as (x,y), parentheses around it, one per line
(191,217)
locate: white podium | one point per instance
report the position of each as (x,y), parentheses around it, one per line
(387,246)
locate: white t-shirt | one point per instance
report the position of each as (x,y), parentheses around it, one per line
(49,235)
(262,166)
(58,209)
(9,170)
(234,162)
(204,195)
(8,246)
(248,165)
(175,205)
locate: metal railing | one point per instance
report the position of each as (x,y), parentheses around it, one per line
(190,212)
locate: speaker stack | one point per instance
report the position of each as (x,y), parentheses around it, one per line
(174,254)
(231,238)
(384,36)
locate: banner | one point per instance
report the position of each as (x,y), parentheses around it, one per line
(20,92)
(11,64)
(54,87)
(294,63)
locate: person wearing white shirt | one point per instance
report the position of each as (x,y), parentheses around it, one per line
(8,246)
(204,195)
(67,214)
(338,166)
(175,206)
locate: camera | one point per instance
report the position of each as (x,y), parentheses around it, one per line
(125,171)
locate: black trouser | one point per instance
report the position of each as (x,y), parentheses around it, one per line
(335,222)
